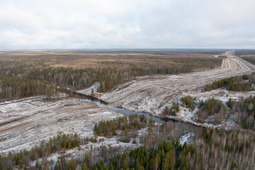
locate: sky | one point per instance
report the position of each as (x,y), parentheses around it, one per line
(119,24)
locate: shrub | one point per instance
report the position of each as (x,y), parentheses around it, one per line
(188,102)
(213,106)
(171,111)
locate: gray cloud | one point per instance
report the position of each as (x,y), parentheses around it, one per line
(35,24)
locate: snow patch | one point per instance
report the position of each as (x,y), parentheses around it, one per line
(187,138)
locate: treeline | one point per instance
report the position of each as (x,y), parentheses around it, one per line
(249,59)
(24,158)
(132,122)
(109,76)
(84,78)
(71,78)
(75,78)
(243,111)
(81,78)
(14,88)
(239,83)
(140,71)
(167,155)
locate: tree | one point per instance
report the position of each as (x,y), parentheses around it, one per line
(72,164)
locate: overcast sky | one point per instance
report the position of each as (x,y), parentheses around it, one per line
(92,24)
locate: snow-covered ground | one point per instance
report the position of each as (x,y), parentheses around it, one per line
(94,148)
(153,94)
(92,90)
(187,138)
(219,94)
(27,122)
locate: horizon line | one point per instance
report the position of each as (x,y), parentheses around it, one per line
(119,49)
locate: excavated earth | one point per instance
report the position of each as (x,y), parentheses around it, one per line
(152,93)
(25,123)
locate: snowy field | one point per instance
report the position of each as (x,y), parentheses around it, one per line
(27,122)
(152,94)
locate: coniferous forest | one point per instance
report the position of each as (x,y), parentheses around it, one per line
(160,149)
(79,71)
(220,135)
(127,85)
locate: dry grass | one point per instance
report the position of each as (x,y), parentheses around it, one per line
(118,58)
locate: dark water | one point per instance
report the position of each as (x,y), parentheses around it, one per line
(147,115)
(185,127)
(127,112)
(123,111)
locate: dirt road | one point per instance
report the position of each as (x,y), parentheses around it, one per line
(151,94)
